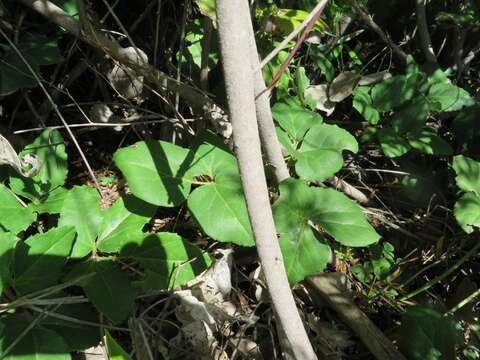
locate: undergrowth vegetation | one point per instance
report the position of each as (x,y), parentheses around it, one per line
(124,228)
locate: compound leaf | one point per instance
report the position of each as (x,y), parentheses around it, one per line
(40,258)
(301,206)
(219,204)
(8,242)
(127,215)
(156,171)
(81,209)
(320,155)
(173,259)
(294,118)
(13,215)
(38,343)
(108,288)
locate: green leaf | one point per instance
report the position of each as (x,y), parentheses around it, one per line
(336,214)
(304,252)
(208,8)
(13,215)
(327,68)
(53,203)
(174,260)
(39,49)
(467,212)
(301,81)
(107,287)
(115,351)
(8,241)
(362,102)
(219,207)
(427,335)
(156,171)
(39,260)
(410,118)
(284,83)
(285,141)
(294,118)
(77,336)
(466,128)
(449,97)
(38,343)
(392,92)
(320,155)
(50,149)
(128,215)
(191,57)
(81,209)
(468,173)
(219,204)
(286,20)
(69,6)
(430,143)
(425,182)
(393,144)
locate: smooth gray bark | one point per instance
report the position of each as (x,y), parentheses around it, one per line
(268,135)
(239,81)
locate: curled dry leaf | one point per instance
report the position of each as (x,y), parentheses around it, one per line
(343,85)
(205,309)
(214,285)
(319,93)
(219,120)
(27,166)
(124,80)
(100,113)
(248,348)
(374,78)
(199,336)
(258,280)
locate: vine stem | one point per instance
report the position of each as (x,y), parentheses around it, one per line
(464,302)
(443,275)
(266,127)
(233,17)
(367,19)
(425,41)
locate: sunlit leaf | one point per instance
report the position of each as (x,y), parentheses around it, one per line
(467,212)
(468,173)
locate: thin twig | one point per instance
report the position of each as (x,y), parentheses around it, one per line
(196,98)
(75,320)
(443,275)
(23,334)
(367,19)
(425,41)
(97,125)
(463,302)
(55,107)
(295,32)
(315,15)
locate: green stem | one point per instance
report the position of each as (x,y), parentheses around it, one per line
(463,302)
(443,275)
